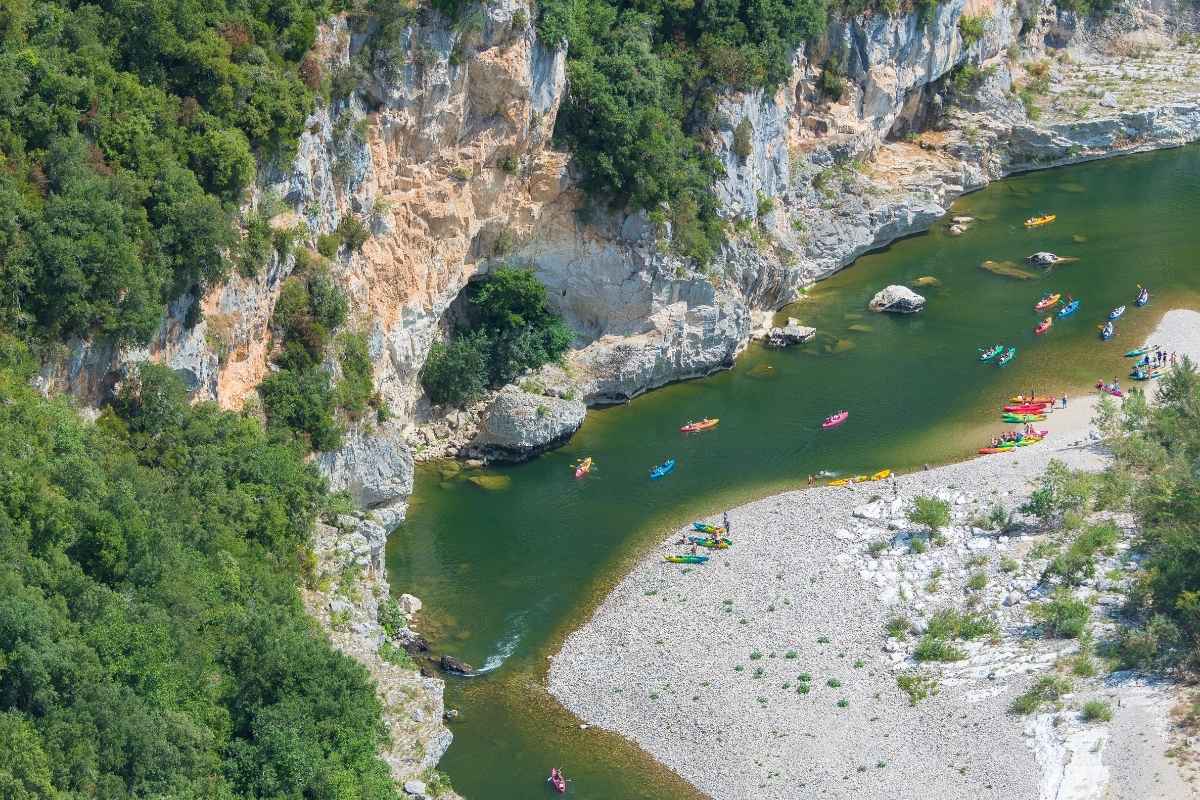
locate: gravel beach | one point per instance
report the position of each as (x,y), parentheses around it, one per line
(768,672)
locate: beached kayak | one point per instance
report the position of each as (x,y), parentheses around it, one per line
(839,482)
(1069,309)
(987,451)
(1008,356)
(662,469)
(883,473)
(1140,351)
(833,420)
(1022,417)
(1116,312)
(1041,401)
(1043,326)
(710,542)
(702,425)
(1145,374)
(1047,301)
(688,559)
(1045,219)
(704,527)
(1025,408)
(584,467)
(988,353)
(1115,391)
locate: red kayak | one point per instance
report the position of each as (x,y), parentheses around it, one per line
(834,420)
(1114,391)
(557,780)
(1026,408)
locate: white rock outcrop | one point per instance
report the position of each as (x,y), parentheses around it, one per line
(519,425)
(897,300)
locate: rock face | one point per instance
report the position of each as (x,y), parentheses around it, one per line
(519,425)
(897,300)
(375,467)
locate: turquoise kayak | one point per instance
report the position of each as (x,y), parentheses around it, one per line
(704,527)
(1069,309)
(662,469)
(686,559)
(705,541)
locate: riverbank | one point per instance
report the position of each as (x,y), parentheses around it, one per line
(702,667)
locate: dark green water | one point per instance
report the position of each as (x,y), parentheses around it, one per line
(506,573)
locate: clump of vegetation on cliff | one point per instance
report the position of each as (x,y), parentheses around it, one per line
(644,82)
(128,132)
(511,329)
(151,636)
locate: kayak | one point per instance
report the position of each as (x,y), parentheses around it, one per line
(1047,301)
(860,479)
(1145,375)
(1140,351)
(1030,408)
(704,527)
(1107,331)
(991,352)
(715,544)
(1039,401)
(1069,309)
(1008,356)
(662,469)
(702,425)
(1116,312)
(557,781)
(1043,326)
(1045,219)
(584,467)
(987,451)
(839,482)
(833,420)
(1022,417)
(1113,390)
(689,559)
(1142,298)
(883,473)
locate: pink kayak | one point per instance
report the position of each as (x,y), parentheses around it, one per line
(557,781)
(1104,387)
(835,420)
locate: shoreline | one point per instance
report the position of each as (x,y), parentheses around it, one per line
(798,573)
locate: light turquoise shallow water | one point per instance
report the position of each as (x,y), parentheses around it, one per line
(505,574)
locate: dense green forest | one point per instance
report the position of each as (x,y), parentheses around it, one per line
(128,132)
(644,81)
(152,642)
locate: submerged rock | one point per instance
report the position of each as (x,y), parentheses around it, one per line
(1008,269)
(493,483)
(926,280)
(897,300)
(519,425)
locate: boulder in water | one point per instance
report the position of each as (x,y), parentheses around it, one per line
(1043,258)
(1008,269)
(493,483)
(454,666)
(792,333)
(519,425)
(897,300)
(926,280)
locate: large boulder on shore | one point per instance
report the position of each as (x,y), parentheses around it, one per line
(519,425)
(898,300)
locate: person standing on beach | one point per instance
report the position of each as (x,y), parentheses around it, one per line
(728,527)
(1064,401)
(810,480)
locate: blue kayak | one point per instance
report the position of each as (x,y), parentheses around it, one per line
(1069,309)
(662,469)
(1107,331)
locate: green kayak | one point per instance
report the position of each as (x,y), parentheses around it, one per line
(686,559)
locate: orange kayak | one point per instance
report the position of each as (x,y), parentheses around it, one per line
(1047,301)
(1038,401)
(702,425)
(1043,326)
(584,467)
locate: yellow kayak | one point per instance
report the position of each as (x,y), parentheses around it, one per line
(1033,222)
(883,473)
(839,482)
(860,478)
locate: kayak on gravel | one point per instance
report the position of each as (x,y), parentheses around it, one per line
(1112,389)
(711,543)
(689,559)
(704,527)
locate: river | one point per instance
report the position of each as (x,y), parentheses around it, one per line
(505,573)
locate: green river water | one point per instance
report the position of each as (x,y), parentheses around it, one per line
(506,573)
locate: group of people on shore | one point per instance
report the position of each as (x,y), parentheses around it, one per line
(1016,436)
